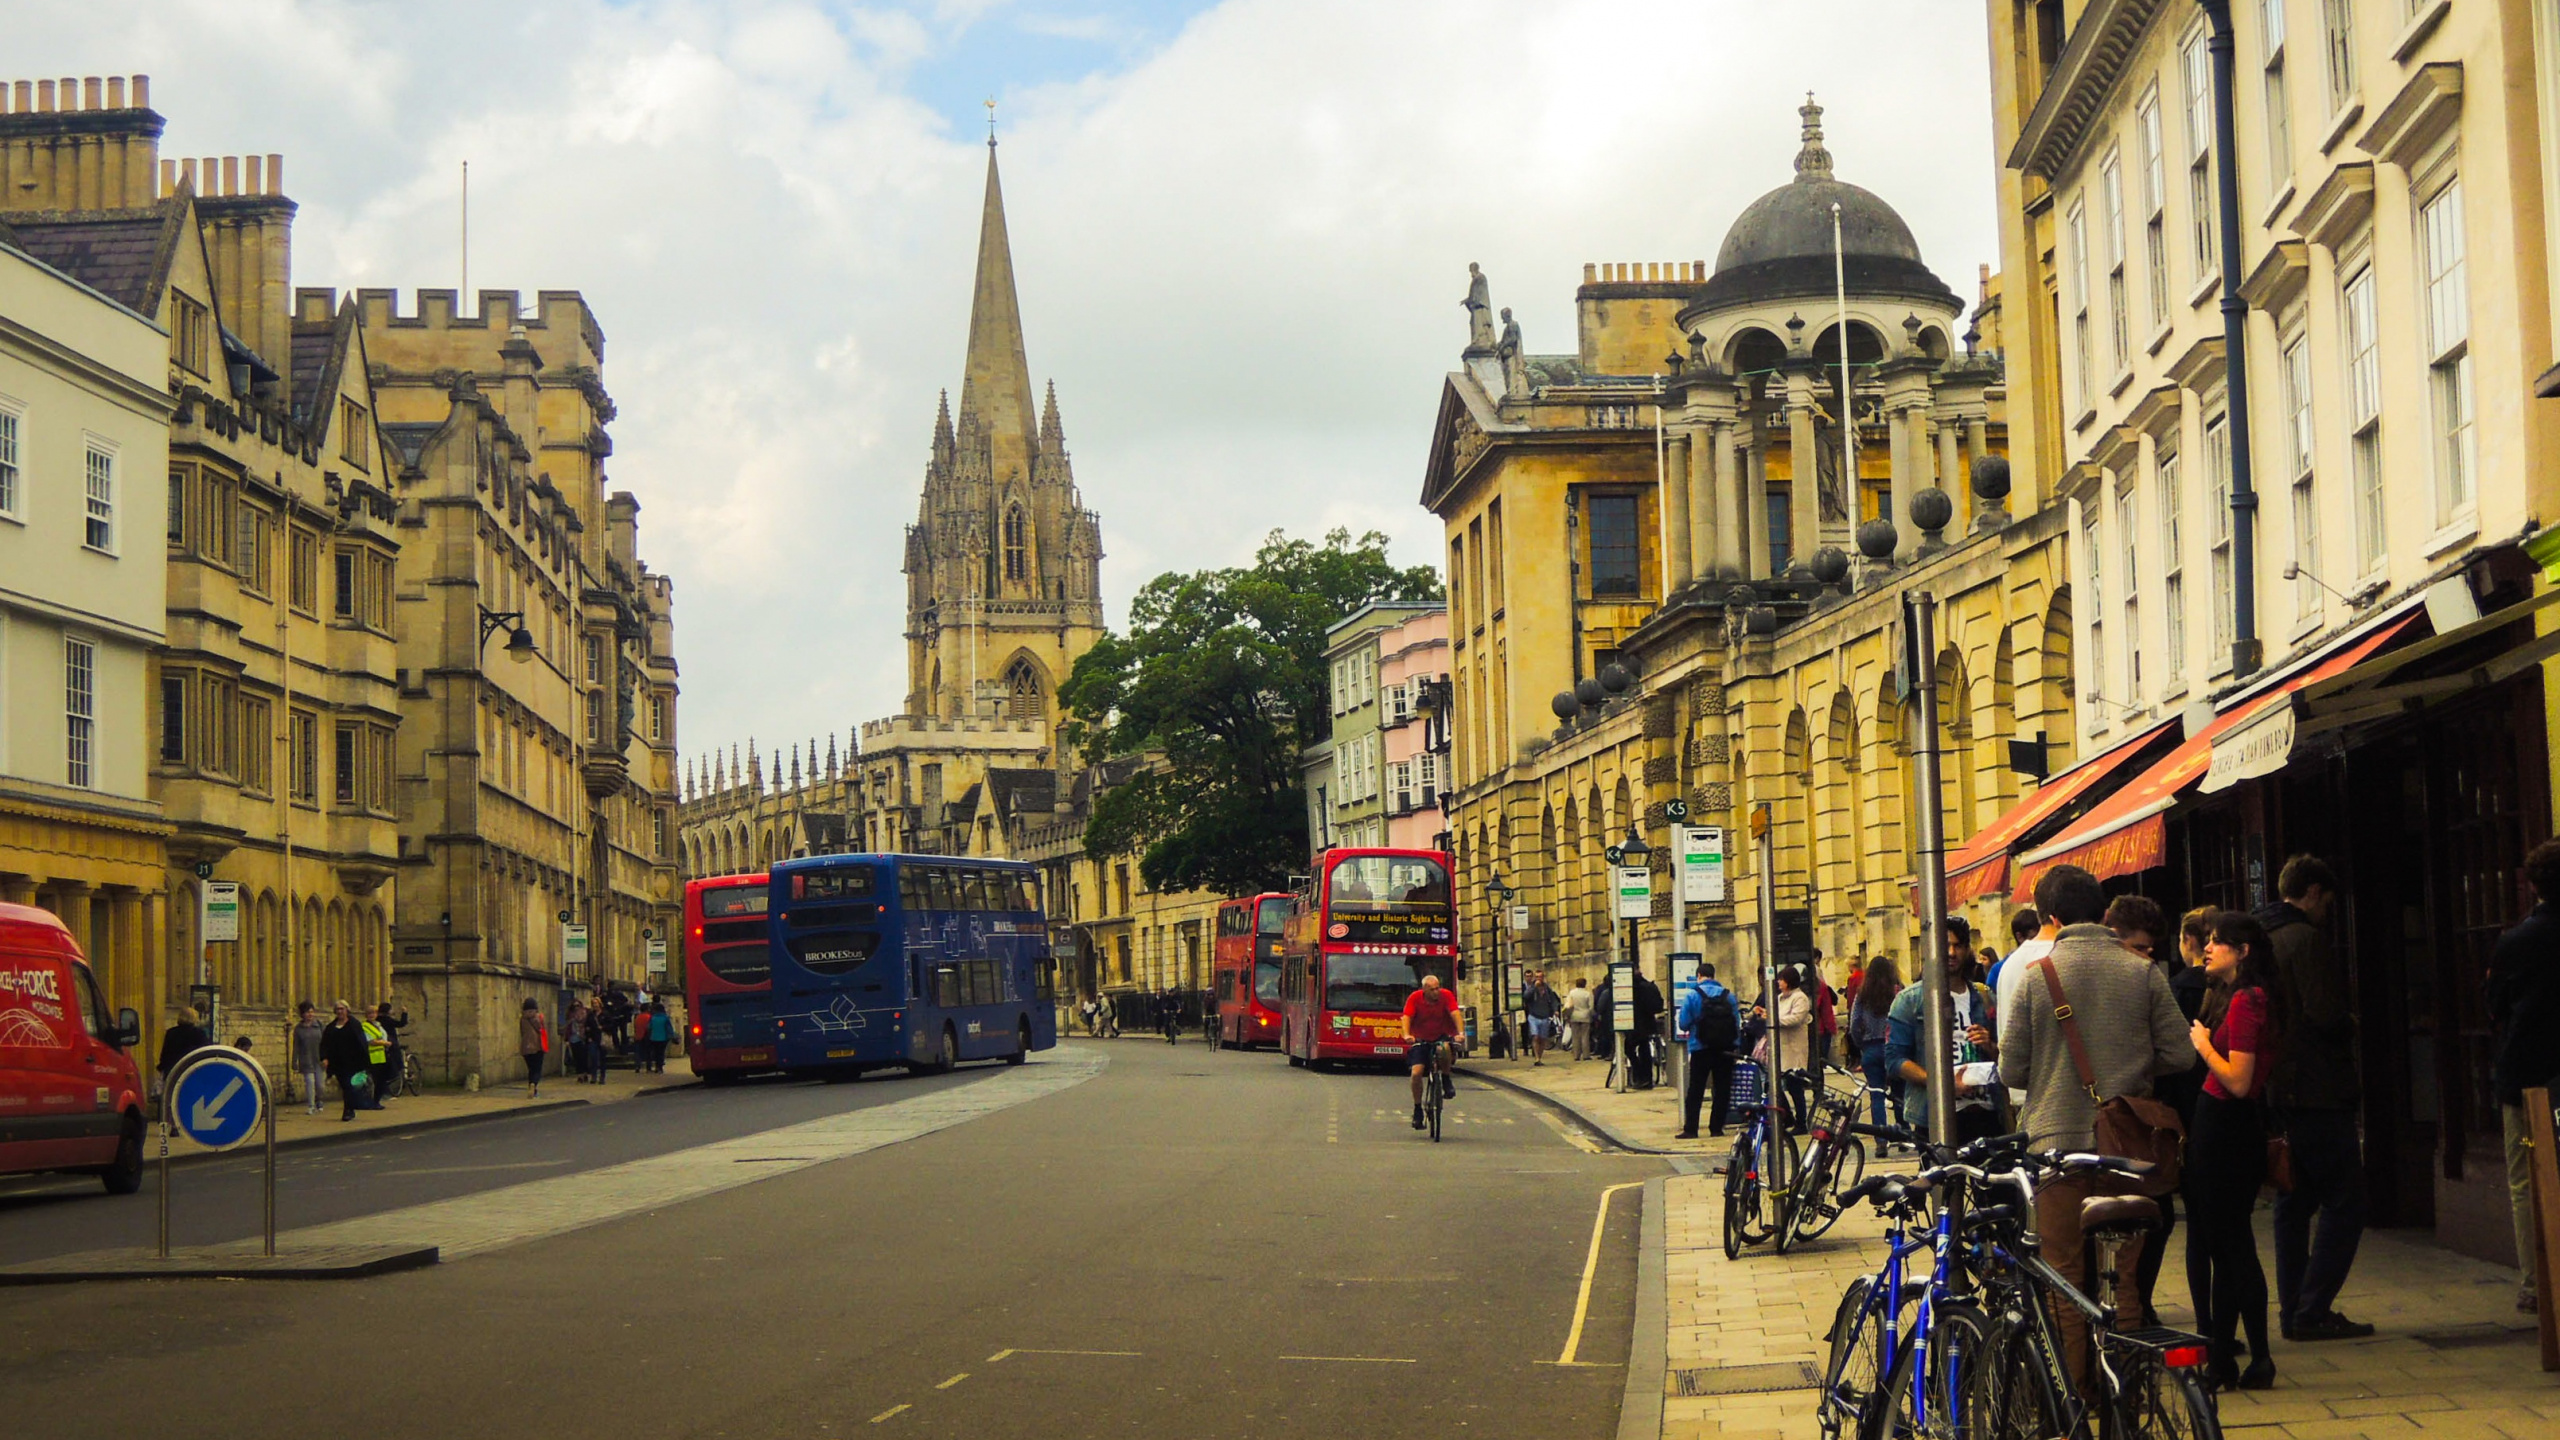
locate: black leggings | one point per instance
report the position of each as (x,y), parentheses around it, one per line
(2226,1163)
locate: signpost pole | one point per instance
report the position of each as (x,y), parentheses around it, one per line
(165,1104)
(1919,623)
(1621,1000)
(1677,1056)
(1768,858)
(271,1177)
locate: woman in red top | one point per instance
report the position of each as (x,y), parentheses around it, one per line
(2227,1150)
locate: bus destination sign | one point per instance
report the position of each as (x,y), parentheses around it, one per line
(1389,924)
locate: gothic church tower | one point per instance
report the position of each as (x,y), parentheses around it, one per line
(1004,563)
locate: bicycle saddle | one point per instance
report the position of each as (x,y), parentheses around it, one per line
(2118,1214)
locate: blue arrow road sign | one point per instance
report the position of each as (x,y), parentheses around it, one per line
(218,1097)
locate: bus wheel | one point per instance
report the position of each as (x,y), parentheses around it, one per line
(949,1058)
(1022,1047)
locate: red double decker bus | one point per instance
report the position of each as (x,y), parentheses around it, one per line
(728,977)
(1369,926)
(1247,958)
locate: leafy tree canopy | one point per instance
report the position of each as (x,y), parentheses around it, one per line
(1218,685)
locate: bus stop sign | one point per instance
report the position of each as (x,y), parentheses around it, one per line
(217,1097)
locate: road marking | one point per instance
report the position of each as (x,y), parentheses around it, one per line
(477,1169)
(954,1380)
(1590,1267)
(1333,1117)
(885,1414)
(1027,1350)
(998,1356)
(536,1209)
(1352,1359)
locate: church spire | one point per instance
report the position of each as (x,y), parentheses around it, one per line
(996,390)
(1051,432)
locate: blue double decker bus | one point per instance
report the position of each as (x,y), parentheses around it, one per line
(915,960)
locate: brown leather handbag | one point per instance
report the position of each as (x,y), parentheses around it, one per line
(2134,1127)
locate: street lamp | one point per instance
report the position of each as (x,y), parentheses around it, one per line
(1505,990)
(519,639)
(1636,855)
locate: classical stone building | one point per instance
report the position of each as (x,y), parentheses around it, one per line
(1003,571)
(2346,656)
(1708,637)
(272,701)
(83,412)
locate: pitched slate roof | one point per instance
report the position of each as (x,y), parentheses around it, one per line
(117,257)
(314,346)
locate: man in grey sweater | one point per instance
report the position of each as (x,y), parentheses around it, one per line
(2133,1031)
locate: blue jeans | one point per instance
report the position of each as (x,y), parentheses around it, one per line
(2328,1184)
(1880,1082)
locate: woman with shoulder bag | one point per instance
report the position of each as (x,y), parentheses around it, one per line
(2227,1149)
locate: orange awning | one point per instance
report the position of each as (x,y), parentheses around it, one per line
(1980,866)
(2128,831)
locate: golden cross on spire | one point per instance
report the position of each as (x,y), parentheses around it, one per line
(991,122)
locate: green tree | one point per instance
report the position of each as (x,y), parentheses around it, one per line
(1207,702)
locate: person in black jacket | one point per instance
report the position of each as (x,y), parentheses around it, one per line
(181,1040)
(2523,997)
(344,1051)
(1644,1044)
(2316,1093)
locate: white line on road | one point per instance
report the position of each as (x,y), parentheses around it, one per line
(1351,1359)
(492,1219)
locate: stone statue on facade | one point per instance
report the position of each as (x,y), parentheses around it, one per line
(1479,307)
(1515,361)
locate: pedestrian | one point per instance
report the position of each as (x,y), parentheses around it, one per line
(595,1038)
(397,1069)
(2124,1030)
(1792,1033)
(533,1043)
(1579,1004)
(574,1029)
(1604,1020)
(308,1062)
(1709,1023)
(1540,1004)
(2031,938)
(2142,927)
(342,1050)
(662,1033)
(1644,1046)
(377,1059)
(2316,1093)
(617,1020)
(2227,1151)
(184,1037)
(1973,1035)
(2523,998)
(1826,1015)
(1871,1034)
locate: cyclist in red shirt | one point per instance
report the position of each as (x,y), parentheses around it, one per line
(1430,1016)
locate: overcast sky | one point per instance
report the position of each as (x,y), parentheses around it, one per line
(1241,232)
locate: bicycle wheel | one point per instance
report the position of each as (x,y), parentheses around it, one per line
(1738,1201)
(1843,1162)
(2159,1403)
(2013,1396)
(1800,1204)
(1853,1382)
(1432,1103)
(1935,1383)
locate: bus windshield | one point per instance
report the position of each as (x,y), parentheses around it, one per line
(1374,982)
(739,964)
(1274,917)
(1390,880)
(1266,981)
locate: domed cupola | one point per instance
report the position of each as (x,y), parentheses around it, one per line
(1781,245)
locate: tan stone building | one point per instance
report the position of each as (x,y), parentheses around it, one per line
(1707,637)
(82,611)
(2347,650)
(272,701)
(1003,573)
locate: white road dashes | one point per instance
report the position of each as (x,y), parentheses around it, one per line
(493,1219)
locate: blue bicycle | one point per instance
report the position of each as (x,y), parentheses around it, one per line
(1763,1164)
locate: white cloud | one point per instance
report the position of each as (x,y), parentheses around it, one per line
(1240,254)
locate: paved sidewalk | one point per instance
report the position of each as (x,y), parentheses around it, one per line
(1644,1120)
(2451,1357)
(439,1105)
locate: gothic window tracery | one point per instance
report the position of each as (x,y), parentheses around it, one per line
(1022,692)
(1017,550)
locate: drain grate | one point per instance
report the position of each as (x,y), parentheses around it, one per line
(1746,1379)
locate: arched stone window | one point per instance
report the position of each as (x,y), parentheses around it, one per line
(1022,690)
(1017,544)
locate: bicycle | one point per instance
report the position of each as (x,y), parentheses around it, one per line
(413,1074)
(2005,1375)
(1763,1161)
(1435,1067)
(1833,1165)
(1867,1330)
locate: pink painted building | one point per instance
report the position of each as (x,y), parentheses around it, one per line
(1413,691)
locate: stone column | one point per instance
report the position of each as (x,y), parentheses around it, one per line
(71,902)
(1899,444)
(1677,567)
(1804,469)
(1977,443)
(1951,477)
(18,889)
(1703,519)
(1755,464)
(1731,530)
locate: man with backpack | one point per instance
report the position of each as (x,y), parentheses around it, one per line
(1710,1023)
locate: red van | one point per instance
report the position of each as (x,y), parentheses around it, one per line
(71,1097)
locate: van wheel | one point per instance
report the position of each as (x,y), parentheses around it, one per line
(1022,1046)
(125,1175)
(948,1059)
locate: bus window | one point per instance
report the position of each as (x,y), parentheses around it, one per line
(1374,982)
(911,886)
(985,892)
(1266,980)
(984,982)
(1275,915)
(1390,879)
(946,987)
(1047,978)
(915,976)
(937,888)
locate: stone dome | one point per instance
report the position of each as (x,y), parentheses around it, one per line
(1781,243)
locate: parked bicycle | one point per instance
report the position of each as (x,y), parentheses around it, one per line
(1833,1164)
(1763,1163)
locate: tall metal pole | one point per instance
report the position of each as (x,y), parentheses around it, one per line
(1762,824)
(2246,651)
(1919,616)
(1676,1051)
(271,1176)
(166,1100)
(1621,1000)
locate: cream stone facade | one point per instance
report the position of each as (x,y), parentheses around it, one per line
(1691,647)
(1003,571)
(82,609)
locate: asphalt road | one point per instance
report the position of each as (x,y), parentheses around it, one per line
(1191,1244)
